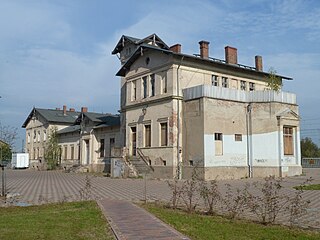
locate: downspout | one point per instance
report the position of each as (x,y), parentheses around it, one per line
(279,146)
(178,123)
(249,138)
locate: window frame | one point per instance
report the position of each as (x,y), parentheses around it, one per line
(225,82)
(214,80)
(147,135)
(164,144)
(288,140)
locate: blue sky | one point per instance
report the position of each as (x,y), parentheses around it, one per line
(55,53)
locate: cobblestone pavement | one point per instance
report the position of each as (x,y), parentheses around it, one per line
(36,187)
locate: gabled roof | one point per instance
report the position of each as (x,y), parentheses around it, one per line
(219,63)
(53,116)
(153,40)
(288,113)
(100,119)
(69,129)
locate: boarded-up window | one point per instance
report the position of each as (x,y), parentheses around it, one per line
(238,137)
(288,140)
(72,152)
(164,134)
(218,144)
(147,131)
(101,148)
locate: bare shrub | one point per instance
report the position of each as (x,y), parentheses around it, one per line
(297,207)
(190,190)
(86,192)
(268,201)
(176,190)
(210,194)
(234,202)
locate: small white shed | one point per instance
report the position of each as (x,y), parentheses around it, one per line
(20,160)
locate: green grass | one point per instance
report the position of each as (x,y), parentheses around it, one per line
(77,220)
(198,226)
(309,187)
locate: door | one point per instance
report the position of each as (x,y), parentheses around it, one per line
(87,152)
(133,141)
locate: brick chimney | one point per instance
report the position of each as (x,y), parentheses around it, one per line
(204,49)
(64,110)
(176,48)
(259,66)
(72,110)
(84,109)
(231,55)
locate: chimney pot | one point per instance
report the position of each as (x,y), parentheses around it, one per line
(204,49)
(176,48)
(231,55)
(84,109)
(259,66)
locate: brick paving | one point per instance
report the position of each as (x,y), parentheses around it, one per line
(129,221)
(36,187)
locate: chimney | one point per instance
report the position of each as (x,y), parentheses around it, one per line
(204,49)
(259,66)
(64,110)
(72,110)
(84,109)
(176,48)
(231,55)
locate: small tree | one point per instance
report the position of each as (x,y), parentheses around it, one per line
(8,137)
(53,151)
(274,82)
(309,148)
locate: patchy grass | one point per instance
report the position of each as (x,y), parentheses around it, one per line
(308,187)
(77,220)
(199,227)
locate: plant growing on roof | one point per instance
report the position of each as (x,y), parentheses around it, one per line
(273,81)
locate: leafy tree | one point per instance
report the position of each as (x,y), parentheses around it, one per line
(274,82)
(53,150)
(309,148)
(8,136)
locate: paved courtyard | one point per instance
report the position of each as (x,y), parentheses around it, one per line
(36,187)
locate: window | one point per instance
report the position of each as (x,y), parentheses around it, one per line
(218,136)
(164,84)
(164,162)
(190,162)
(144,86)
(218,144)
(34,135)
(252,86)
(134,91)
(28,137)
(44,135)
(72,152)
(111,145)
(238,137)
(164,134)
(147,131)
(66,152)
(101,148)
(214,80)
(38,136)
(225,82)
(288,140)
(152,83)
(243,85)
